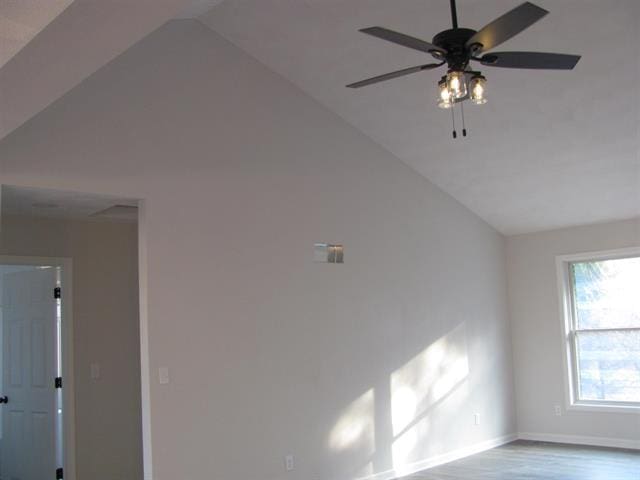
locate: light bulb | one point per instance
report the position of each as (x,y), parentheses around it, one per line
(478,86)
(444,100)
(456,82)
(444,94)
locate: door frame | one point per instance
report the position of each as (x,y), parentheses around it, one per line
(68,390)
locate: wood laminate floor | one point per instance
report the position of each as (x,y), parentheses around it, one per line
(526,460)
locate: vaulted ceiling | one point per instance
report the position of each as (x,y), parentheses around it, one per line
(21,20)
(69,47)
(550,149)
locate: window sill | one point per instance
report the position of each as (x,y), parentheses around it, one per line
(604,408)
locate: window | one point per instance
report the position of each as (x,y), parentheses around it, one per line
(602,319)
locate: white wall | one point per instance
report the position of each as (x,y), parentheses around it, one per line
(537,332)
(105,309)
(268,352)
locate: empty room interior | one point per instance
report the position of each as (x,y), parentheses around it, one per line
(319,240)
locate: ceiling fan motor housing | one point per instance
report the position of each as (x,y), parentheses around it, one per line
(454,42)
(458,46)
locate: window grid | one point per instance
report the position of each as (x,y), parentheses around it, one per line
(573,338)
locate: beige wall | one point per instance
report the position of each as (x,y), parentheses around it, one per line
(105,309)
(355,369)
(537,333)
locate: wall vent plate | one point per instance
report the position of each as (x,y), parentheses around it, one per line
(328,253)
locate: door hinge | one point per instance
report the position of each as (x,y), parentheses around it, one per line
(58,382)
(59,474)
(57,293)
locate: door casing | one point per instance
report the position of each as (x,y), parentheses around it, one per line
(68,390)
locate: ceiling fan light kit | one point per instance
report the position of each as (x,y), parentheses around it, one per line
(478,87)
(457,47)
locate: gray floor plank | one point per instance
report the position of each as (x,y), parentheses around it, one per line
(527,460)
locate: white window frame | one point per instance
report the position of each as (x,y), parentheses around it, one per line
(565,290)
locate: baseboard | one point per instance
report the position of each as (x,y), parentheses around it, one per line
(416,467)
(581,440)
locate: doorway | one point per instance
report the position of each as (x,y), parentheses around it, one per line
(36,405)
(101,385)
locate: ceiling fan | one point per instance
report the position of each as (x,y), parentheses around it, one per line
(457,47)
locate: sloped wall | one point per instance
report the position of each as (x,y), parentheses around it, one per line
(371,367)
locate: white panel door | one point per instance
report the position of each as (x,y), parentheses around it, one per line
(29,368)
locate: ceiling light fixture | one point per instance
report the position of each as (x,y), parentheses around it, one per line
(457,47)
(445,99)
(457,84)
(478,87)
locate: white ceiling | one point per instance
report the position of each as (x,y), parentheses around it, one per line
(21,20)
(197,8)
(84,37)
(36,202)
(550,149)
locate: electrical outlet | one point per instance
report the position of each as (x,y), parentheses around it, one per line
(558,410)
(288,463)
(476,419)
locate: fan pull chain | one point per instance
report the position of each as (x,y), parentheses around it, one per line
(453,121)
(464,130)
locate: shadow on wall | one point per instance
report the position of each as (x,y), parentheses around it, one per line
(417,391)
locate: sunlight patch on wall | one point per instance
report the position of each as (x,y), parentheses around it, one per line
(355,427)
(421,385)
(406,443)
(366,471)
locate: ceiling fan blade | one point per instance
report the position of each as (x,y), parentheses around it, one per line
(396,74)
(506,26)
(535,60)
(402,39)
